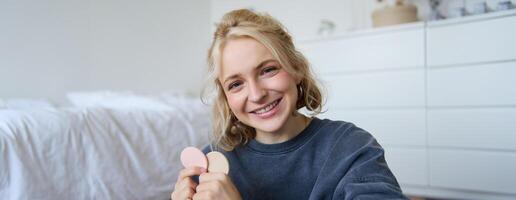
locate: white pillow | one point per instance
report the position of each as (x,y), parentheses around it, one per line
(121,100)
(192,107)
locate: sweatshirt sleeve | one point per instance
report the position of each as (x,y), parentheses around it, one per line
(368,176)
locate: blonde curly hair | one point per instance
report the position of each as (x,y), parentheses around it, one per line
(227,130)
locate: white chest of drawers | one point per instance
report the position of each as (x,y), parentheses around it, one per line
(439,96)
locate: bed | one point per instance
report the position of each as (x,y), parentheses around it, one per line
(115,147)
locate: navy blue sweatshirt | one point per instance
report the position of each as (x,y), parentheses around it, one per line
(327,160)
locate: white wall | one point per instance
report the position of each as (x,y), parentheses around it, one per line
(303,17)
(50,47)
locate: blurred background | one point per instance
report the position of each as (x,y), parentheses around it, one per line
(433,81)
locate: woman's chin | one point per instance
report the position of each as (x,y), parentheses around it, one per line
(269,126)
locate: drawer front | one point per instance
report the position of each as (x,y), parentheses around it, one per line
(381,89)
(473,170)
(490,84)
(480,41)
(405,127)
(490,128)
(409,165)
(398,49)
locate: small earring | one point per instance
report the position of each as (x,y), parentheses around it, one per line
(300,95)
(300,91)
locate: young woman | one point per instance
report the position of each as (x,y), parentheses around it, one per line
(274,151)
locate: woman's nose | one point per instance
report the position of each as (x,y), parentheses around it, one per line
(256,92)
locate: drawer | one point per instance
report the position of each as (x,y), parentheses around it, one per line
(409,165)
(490,84)
(390,127)
(473,170)
(472,42)
(403,88)
(490,128)
(396,49)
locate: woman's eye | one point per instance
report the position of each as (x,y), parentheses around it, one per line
(269,70)
(234,85)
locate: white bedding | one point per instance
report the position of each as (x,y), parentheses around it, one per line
(95,153)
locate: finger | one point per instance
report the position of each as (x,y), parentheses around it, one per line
(186,193)
(213,176)
(187,183)
(201,196)
(206,186)
(191,171)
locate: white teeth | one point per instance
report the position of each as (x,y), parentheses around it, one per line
(267,108)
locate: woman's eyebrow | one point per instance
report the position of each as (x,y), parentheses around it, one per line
(265,62)
(257,67)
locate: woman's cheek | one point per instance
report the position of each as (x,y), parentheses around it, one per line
(282,81)
(235,102)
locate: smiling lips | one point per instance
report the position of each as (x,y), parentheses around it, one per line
(267,111)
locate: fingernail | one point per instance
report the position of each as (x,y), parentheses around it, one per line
(203,170)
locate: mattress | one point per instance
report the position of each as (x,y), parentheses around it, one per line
(96,152)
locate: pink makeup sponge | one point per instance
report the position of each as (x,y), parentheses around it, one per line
(191,156)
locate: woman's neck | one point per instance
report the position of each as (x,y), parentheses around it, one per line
(294,125)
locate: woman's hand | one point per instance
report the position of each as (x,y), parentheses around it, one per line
(216,186)
(185,186)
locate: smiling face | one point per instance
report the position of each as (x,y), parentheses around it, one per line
(259,91)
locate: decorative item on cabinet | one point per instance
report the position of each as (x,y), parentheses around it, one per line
(435,13)
(499,5)
(455,8)
(504,5)
(475,7)
(398,14)
(326,27)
